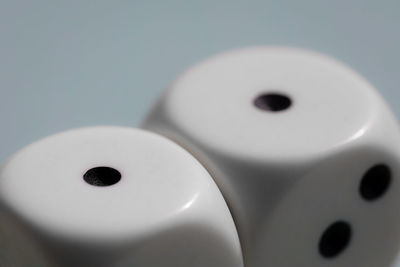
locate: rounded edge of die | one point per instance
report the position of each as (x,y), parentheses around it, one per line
(203,178)
(174,117)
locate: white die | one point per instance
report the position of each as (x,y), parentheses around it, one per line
(112,197)
(304,150)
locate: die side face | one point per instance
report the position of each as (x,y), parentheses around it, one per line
(342,213)
(99,196)
(288,135)
(16,241)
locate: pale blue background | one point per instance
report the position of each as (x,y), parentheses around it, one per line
(66,64)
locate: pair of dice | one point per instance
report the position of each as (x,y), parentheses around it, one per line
(303,150)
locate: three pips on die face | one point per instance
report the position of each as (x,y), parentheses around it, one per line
(302,150)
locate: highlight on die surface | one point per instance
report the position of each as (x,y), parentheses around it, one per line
(304,150)
(111,196)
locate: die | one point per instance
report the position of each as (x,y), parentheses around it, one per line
(115,197)
(304,150)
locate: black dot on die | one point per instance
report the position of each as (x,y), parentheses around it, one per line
(335,239)
(102,176)
(375,182)
(272,102)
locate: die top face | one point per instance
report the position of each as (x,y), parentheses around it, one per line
(143,183)
(271,103)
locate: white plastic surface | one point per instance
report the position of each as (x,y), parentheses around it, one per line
(165,211)
(288,175)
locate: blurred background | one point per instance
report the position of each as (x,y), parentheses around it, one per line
(67,64)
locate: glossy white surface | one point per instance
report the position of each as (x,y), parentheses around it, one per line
(288,175)
(165,211)
(331,103)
